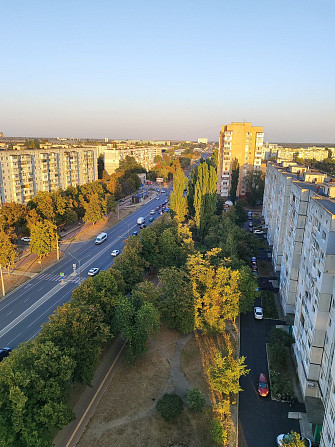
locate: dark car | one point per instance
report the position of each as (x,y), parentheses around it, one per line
(4,352)
(135,233)
(151,219)
(262,385)
(143,226)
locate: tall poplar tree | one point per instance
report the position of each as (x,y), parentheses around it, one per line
(205,197)
(178,201)
(234,180)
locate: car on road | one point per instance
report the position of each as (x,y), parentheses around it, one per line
(93,271)
(115,252)
(157,198)
(157,208)
(4,352)
(166,200)
(258,313)
(163,191)
(258,232)
(151,219)
(135,233)
(288,436)
(25,239)
(142,226)
(262,385)
(152,212)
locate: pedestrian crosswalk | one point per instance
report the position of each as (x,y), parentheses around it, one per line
(57,278)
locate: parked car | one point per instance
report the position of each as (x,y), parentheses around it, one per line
(4,352)
(253,259)
(258,232)
(258,313)
(93,271)
(115,252)
(262,385)
(152,212)
(25,239)
(250,224)
(251,230)
(135,233)
(287,437)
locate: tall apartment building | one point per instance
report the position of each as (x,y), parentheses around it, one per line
(25,172)
(306,220)
(143,155)
(243,142)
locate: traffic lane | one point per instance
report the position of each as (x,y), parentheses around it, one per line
(259,416)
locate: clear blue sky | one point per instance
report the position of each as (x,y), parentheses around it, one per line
(167,69)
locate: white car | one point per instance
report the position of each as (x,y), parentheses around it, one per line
(157,198)
(115,252)
(258,232)
(152,212)
(93,271)
(287,436)
(25,239)
(258,313)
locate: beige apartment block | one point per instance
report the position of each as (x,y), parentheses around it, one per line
(243,142)
(24,172)
(143,155)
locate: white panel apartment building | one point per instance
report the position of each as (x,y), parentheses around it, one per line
(143,155)
(307,275)
(24,172)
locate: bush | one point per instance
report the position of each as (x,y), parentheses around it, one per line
(195,399)
(170,406)
(280,336)
(269,304)
(218,432)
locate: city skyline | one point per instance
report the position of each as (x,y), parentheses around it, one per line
(172,71)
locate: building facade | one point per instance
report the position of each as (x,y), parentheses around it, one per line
(304,215)
(242,142)
(25,172)
(145,156)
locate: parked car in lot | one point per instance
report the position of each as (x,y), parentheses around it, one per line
(258,313)
(115,252)
(4,352)
(288,437)
(262,385)
(258,232)
(93,271)
(250,224)
(25,239)
(251,230)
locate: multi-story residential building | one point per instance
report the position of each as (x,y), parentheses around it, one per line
(242,142)
(24,172)
(307,276)
(143,155)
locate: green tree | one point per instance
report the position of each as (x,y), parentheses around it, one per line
(170,407)
(176,299)
(7,251)
(248,285)
(218,432)
(205,197)
(178,201)
(43,238)
(195,399)
(43,205)
(234,180)
(145,291)
(130,264)
(240,213)
(224,374)
(254,183)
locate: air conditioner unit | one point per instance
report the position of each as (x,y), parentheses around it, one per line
(310,384)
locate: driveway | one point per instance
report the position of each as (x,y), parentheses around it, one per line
(260,419)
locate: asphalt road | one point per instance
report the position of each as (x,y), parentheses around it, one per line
(24,310)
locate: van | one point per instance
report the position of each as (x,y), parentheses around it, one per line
(140,221)
(101,238)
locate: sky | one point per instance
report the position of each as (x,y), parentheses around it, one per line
(176,69)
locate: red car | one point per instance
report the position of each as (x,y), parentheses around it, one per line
(262,385)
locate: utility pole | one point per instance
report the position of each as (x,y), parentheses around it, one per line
(2,283)
(57,248)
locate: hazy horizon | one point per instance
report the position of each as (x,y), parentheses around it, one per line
(176,70)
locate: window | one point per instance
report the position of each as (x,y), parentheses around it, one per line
(323,235)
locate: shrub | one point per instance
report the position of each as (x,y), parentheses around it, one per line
(280,336)
(218,432)
(170,406)
(195,399)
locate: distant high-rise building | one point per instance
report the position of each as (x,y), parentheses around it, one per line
(243,142)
